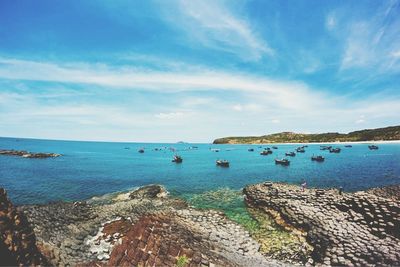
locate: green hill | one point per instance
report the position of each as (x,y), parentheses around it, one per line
(387,133)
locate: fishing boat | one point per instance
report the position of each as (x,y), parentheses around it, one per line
(317,158)
(290,154)
(266,152)
(177,159)
(335,150)
(300,149)
(250,149)
(274,147)
(348,146)
(284,162)
(141,150)
(222,163)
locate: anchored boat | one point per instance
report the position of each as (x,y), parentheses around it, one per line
(222,163)
(284,162)
(373,147)
(318,158)
(141,150)
(335,150)
(290,154)
(266,152)
(300,149)
(177,159)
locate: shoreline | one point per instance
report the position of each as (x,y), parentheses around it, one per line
(95,232)
(320,143)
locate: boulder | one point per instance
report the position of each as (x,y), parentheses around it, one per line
(149,192)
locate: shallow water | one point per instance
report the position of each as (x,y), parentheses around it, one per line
(87,169)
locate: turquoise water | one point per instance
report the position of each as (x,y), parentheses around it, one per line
(94,168)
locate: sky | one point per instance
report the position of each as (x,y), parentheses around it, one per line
(174,70)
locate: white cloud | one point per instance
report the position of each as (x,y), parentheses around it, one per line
(278,93)
(396,54)
(282,105)
(170,115)
(373,43)
(215,25)
(330,21)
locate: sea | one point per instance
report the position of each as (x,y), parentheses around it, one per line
(89,169)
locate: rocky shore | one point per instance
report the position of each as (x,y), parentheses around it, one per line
(145,227)
(27,154)
(360,229)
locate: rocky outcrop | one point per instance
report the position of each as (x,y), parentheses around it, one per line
(142,227)
(27,154)
(391,191)
(358,229)
(150,191)
(17,239)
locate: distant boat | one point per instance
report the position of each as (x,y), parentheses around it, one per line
(284,162)
(300,149)
(141,150)
(318,158)
(250,149)
(373,147)
(266,152)
(222,163)
(326,147)
(274,147)
(177,159)
(335,150)
(126,148)
(348,146)
(215,149)
(290,154)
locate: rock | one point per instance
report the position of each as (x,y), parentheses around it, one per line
(149,192)
(338,226)
(17,240)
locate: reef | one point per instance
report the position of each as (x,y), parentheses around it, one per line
(344,229)
(27,154)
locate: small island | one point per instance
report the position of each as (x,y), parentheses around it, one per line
(391,133)
(27,154)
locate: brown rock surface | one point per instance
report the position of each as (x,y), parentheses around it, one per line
(17,239)
(350,229)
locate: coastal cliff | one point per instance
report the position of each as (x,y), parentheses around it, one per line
(379,134)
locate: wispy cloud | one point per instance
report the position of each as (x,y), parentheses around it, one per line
(331,21)
(195,100)
(216,25)
(373,43)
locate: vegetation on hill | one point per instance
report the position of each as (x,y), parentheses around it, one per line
(387,133)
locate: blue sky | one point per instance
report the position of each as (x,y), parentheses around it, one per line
(196,70)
